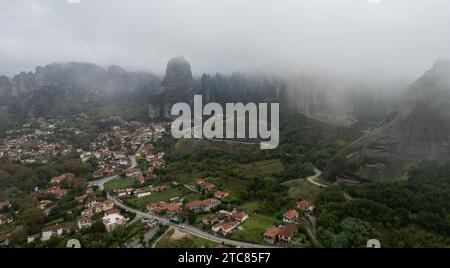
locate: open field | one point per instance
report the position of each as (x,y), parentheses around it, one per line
(141,203)
(253,228)
(300,188)
(261,168)
(118,183)
(178,239)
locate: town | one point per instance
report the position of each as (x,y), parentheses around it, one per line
(126,192)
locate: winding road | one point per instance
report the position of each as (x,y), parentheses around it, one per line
(188,228)
(101,182)
(313,179)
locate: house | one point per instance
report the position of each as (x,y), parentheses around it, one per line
(32,237)
(280,234)
(5,219)
(271,235)
(104,206)
(43,204)
(220,194)
(4,241)
(199,181)
(204,185)
(239,216)
(224,227)
(5,204)
(305,205)
(286,233)
(132,172)
(203,205)
(290,216)
(110,211)
(142,193)
(48,232)
(84,222)
(223,215)
(170,208)
(123,192)
(207,186)
(57,191)
(140,179)
(59,179)
(112,221)
(88,212)
(158,188)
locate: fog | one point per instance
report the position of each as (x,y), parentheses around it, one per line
(392,37)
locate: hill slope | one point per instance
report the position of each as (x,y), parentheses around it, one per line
(420,129)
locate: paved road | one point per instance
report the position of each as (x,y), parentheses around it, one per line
(101,182)
(313,179)
(188,228)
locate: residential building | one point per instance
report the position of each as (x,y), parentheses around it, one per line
(84,222)
(203,205)
(239,216)
(290,216)
(43,204)
(112,221)
(287,233)
(170,208)
(48,232)
(271,235)
(305,205)
(5,219)
(220,194)
(57,191)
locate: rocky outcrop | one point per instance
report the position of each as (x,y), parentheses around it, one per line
(175,87)
(64,88)
(419,129)
(321,98)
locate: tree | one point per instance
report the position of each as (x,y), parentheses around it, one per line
(32,219)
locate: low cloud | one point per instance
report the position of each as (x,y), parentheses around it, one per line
(396,37)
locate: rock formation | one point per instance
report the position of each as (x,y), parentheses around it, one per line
(64,88)
(175,87)
(419,129)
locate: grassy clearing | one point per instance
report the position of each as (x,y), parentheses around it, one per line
(263,168)
(118,183)
(300,188)
(253,228)
(178,239)
(141,203)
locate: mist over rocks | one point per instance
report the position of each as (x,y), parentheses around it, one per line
(316,96)
(175,87)
(66,88)
(419,129)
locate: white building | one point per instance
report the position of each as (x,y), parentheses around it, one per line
(112,221)
(50,231)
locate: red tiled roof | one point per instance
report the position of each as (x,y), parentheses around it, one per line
(304,204)
(131,170)
(84,219)
(272,232)
(220,194)
(111,211)
(52,228)
(289,230)
(291,214)
(226,226)
(239,215)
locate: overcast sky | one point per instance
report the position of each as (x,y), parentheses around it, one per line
(381,36)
